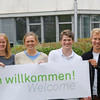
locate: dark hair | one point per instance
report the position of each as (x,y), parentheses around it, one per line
(68,33)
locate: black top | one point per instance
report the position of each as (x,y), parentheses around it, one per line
(9,61)
(88,55)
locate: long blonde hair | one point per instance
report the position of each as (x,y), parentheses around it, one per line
(7,50)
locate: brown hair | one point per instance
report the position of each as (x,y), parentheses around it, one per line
(95,31)
(30,34)
(68,33)
(7,50)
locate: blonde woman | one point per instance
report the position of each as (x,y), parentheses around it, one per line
(5,52)
(31,55)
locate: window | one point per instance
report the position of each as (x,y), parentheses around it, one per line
(34,20)
(85,26)
(46,27)
(49,29)
(65,18)
(95,21)
(65,22)
(35,26)
(20,29)
(95,18)
(37,30)
(64,26)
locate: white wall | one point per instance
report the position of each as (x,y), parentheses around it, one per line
(24,6)
(89,4)
(18,6)
(42,5)
(13,6)
(65,4)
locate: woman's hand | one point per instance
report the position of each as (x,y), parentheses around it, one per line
(2,64)
(93,62)
(41,62)
(88,98)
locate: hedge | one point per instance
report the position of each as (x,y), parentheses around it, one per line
(80,47)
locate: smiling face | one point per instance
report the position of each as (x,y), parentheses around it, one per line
(67,42)
(30,43)
(96,42)
(3,43)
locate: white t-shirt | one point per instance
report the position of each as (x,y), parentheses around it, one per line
(95,56)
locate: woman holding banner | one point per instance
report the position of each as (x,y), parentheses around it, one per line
(5,52)
(31,55)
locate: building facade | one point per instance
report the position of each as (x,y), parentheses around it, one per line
(47,18)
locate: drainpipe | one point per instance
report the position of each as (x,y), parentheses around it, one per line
(75,20)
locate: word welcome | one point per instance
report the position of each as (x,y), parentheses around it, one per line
(51,87)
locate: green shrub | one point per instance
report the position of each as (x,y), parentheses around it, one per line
(83,45)
(47,47)
(44,47)
(17,49)
(80,47)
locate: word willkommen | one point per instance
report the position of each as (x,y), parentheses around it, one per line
(24,78)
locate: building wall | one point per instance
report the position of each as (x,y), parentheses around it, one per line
(27,6)
(19,6)
(47,18)
(88,4)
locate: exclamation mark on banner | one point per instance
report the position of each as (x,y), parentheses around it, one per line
(73,75)
(0,81)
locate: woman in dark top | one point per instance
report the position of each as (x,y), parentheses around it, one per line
(5,52)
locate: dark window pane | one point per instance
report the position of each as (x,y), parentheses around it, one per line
(85,26)
(95,25)
(37,30)
(64,18)
(34,20)
(64,27)
(78,19)
(20,29)
(95,18)
(49,29)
